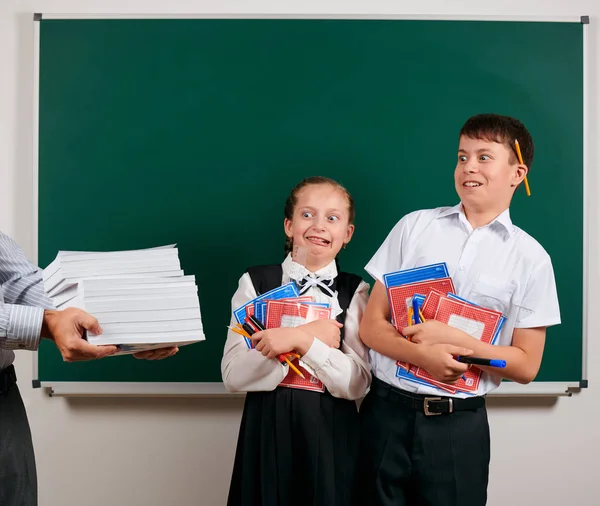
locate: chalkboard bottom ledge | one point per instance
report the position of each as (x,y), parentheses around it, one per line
(134,389)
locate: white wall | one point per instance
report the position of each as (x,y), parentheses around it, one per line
(98,452)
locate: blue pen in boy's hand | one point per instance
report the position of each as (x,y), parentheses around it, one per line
(482,361)
(415,305)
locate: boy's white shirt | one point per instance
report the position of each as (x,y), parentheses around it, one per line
(498,266)
(344,371)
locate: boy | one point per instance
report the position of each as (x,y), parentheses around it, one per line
(419,448)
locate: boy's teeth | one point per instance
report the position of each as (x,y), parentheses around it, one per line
(472,184)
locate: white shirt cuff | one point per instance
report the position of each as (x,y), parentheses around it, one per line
(317,354)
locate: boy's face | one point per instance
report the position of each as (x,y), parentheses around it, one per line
(486,174)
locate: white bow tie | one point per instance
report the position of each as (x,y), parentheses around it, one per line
(325,283)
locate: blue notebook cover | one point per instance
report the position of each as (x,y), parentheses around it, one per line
(424,273)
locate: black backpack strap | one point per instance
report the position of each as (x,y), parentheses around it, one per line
(346,284)
(265,277)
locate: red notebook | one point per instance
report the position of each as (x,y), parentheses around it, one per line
(476,321)
(400,298)
(310,382)
(292,314)
(430,306)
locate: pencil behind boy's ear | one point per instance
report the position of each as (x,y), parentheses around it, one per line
(520,156)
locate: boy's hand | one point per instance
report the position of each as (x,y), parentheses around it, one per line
(431,332)
(438,360)
(327,331)
(274,342)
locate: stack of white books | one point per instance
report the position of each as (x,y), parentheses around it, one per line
(141,298)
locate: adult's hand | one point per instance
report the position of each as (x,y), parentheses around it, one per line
(157,354)
(66,329)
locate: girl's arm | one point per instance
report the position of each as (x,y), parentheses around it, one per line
(345,372)
(244,369)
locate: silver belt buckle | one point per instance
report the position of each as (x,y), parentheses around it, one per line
(426,402)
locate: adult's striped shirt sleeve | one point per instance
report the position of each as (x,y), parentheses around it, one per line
(20,327)
(22,298)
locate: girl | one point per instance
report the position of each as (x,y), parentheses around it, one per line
(296,446)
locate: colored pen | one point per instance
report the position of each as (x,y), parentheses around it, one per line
(257,323)
(415,312)
(482,361)
(248,328)
(518,148)
(251,324)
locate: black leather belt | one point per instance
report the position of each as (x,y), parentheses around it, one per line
(8,378)
(430,405)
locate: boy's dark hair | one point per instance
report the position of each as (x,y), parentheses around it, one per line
(292,200)
(502,129)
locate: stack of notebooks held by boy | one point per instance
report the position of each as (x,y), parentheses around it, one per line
(141,298)
(283,307)
(427,293)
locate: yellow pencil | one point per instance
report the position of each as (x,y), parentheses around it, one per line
(423,320)
(518,148)
(293,367)
(240,332)
(241,329)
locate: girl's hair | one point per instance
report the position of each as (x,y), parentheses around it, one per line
(292,200)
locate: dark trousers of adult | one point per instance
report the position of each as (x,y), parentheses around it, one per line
(410,458)
(18,480)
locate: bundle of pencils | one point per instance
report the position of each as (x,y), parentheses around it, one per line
(415,315)
(253,325)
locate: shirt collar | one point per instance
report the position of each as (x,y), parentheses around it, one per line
(503,219)
(298,271)
(449,211)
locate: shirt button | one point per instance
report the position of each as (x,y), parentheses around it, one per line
(462,268)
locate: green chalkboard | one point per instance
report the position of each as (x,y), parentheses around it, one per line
(194,131)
